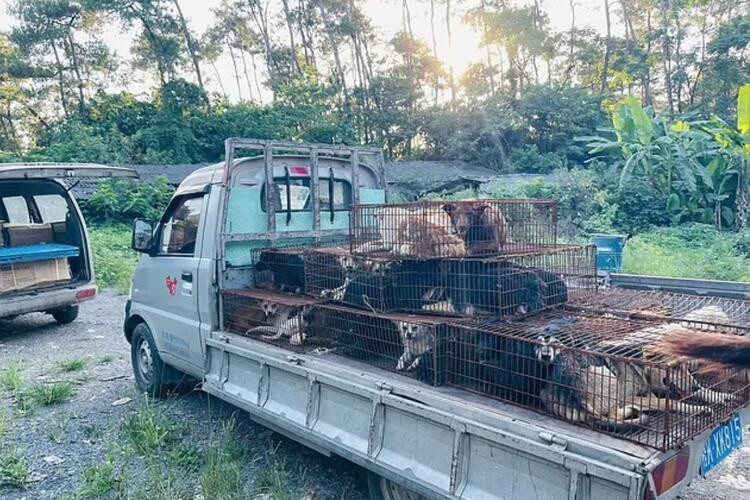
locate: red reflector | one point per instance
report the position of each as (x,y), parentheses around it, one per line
(87,294)
(299,171)
(671,472)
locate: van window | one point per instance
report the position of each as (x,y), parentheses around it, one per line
(179,229)
(52,207)
(17,210)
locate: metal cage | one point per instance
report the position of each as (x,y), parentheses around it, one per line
(500,287)
(270,316)
(694,311)
(448,229)
(410,345)
(597,371)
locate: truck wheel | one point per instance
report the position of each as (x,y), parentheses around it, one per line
(65,315)
(385,489)
(151,374)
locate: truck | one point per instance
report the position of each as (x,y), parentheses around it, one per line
(415,440)
(45,255)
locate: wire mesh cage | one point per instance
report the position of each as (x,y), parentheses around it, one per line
(602,372)
(410,345)
(498,287)
(694,311)
(433,229)
(281,269)
(267,315)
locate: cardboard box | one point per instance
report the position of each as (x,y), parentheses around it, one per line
(20,235)
(26,275)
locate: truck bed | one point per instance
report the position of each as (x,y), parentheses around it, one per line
(449,444)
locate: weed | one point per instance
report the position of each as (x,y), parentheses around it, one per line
(58,431)
(149,429)
(186,455)
(275,482)
(24,404)
(72,365)
(106,359)
(100,480)
(51,394)
(3,426)
(164,483)
(222,473)
(14,471)
(11,377)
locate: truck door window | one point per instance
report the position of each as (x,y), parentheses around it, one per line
(179,229)
(17,210)
(52,207)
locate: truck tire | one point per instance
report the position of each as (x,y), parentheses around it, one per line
(152,375)
(384,489)
(65,315)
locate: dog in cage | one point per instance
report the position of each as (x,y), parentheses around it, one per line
(667,373)
(482,226)
(427,233)
(286,270)
(285,322)
(589,386)
(422,345)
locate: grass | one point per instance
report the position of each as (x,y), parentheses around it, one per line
(14,470)
(114,260)
(4,426)
(105,360)
(690,251)
(275,482)
(149,429)
(11,377)
(100,480)
(72,365)
(222,473)
(50,394)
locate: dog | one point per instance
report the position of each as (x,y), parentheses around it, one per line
(287,270)
(428,233)
(286,322)
(606,391)
(721,351)
(481,225)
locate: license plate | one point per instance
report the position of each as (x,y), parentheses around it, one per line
(723,441)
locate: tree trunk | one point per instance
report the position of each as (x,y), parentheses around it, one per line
(666,55)
(256,10)
(742,203)
(255,77)
(190,43)
(247,75)
(236,71)
(451,78)
(60,78)
(290,27)
(70,48)
(219,80)
(434,47)
(607,47)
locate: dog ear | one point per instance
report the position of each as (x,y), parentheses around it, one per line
(449,207)
(481,209)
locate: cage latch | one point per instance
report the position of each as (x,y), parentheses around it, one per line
(223,338)
(294,360)
(384,387)
(556,442)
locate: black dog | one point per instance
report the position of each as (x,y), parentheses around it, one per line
(287,269)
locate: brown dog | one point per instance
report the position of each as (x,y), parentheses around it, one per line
(481,225)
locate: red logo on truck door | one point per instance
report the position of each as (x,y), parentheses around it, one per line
(171,285)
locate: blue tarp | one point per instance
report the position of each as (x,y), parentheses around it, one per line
(32,253)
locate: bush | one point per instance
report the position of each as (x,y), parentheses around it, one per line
(114,260)
(121,200)
(689,251)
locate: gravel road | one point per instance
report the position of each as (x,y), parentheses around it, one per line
(61,442)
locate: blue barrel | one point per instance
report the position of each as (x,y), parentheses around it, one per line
(609,248)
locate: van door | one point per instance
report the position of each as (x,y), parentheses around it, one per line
(166,284)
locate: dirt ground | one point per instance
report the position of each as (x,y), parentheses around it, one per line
(78,448)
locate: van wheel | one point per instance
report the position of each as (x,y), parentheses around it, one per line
(151,374)
(384,489)
(65,315)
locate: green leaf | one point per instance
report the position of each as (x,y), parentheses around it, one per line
(673,202)
(743,109)
(643,124)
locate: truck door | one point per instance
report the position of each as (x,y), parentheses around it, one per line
(167,281)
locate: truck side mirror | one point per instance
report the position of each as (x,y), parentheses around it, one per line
(143,234)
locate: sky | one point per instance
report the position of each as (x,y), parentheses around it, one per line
(386,18)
